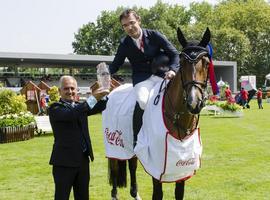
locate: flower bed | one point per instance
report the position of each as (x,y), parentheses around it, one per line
(16,127)
(16,120)
(225,108)
(16,123)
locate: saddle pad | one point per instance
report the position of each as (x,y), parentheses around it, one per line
(117,123)
(164,157)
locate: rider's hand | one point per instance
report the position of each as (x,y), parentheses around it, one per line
(169,74)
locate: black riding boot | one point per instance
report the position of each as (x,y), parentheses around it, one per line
(137,122)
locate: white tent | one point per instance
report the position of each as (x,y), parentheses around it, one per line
(266,82)
(221,82)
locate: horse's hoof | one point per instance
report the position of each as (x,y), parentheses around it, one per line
(114,198)
(137,197)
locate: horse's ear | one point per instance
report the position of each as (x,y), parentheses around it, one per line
(181,38)
(206,38)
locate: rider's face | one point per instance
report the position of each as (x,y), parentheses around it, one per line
(131,25)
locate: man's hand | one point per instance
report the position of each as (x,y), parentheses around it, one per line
(114,84)
(169,74)
(100,92)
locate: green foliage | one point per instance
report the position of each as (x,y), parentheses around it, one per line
(240,31)
(232,44)
(225,105)
(13,109)
(102,37)
(11,103)
(54,95)
(251,18)
(233,107)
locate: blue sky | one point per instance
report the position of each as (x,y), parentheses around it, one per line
(48,26)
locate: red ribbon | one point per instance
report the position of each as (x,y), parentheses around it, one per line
(212,78)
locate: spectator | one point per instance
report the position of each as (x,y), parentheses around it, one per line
(244,97)
(259,98)
(228,93)
(43,104)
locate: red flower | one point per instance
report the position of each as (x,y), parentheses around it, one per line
(213,98)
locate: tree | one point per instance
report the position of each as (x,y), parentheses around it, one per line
(11,103)
(252,19)
(240,31)
(231,44)
(54,95)
(103,37)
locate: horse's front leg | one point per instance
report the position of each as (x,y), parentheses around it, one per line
(179,190)
(132,164)
(157,190)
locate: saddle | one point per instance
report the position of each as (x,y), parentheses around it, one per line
(159,64)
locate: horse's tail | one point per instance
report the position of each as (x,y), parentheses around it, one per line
(117,170)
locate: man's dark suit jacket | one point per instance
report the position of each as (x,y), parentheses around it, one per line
(68,125)
(154,44)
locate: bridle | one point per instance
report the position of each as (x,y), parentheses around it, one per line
(193,54)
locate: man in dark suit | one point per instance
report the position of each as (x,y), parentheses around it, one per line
(72,145)
(141,47)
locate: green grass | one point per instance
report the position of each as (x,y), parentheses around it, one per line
(235,163)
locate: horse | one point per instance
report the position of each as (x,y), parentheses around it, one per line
(184,98)
(176,103)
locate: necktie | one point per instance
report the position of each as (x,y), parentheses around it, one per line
(141,45)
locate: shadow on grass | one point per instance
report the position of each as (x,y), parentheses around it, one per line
(44,135)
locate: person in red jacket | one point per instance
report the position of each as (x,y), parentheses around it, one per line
(228,93)
(259,98)
(43,106)
(244,97)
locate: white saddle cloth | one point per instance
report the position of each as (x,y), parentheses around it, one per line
(162,156)
(117,123)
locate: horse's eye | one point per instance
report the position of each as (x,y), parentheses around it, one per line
(206,61)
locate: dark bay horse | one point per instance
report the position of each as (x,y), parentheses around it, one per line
(182,100)
(185,97)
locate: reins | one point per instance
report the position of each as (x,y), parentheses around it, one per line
(175,118)
(192,55)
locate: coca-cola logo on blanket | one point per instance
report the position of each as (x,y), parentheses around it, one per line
(114,138)
(183,163)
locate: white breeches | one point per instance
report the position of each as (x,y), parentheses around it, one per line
(142,90)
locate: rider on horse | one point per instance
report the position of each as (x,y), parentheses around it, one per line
(145,49)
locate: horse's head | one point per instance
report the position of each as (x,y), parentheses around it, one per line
(194,62)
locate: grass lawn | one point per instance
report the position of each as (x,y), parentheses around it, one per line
(235,163)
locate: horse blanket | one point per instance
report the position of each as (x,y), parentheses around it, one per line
(117,123)
(164,157)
